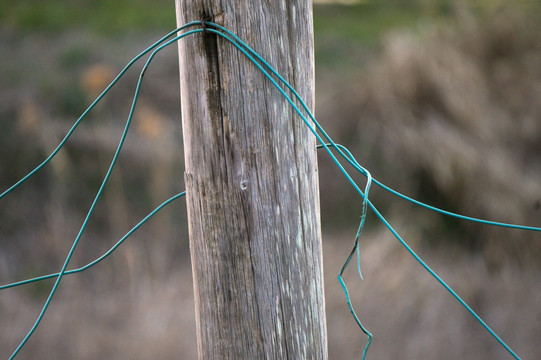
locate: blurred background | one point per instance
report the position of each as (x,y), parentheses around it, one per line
(439,99)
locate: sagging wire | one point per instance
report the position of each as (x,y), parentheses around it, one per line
(155,48)
(356,250)
(106,254)
(345,154)
(352,161)
(247,51)
(92,105)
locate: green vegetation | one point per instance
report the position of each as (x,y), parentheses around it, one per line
(365,22)
(101,16)
(345,34)
(338,28)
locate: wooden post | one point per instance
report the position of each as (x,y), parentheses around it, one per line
(252,184)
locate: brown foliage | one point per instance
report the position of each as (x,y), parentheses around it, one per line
(459,109)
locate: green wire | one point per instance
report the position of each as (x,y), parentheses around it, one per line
(105,255)
(433,208)
(94,103)
(98,195)
(320,128)
(279,88)
(352,311)
(349,158)
(344,153)
(385,222)
(425,266)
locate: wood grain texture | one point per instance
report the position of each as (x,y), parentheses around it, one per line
(252,184)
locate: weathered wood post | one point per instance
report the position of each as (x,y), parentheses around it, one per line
(252,184)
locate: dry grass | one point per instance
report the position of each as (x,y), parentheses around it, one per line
(451,116)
